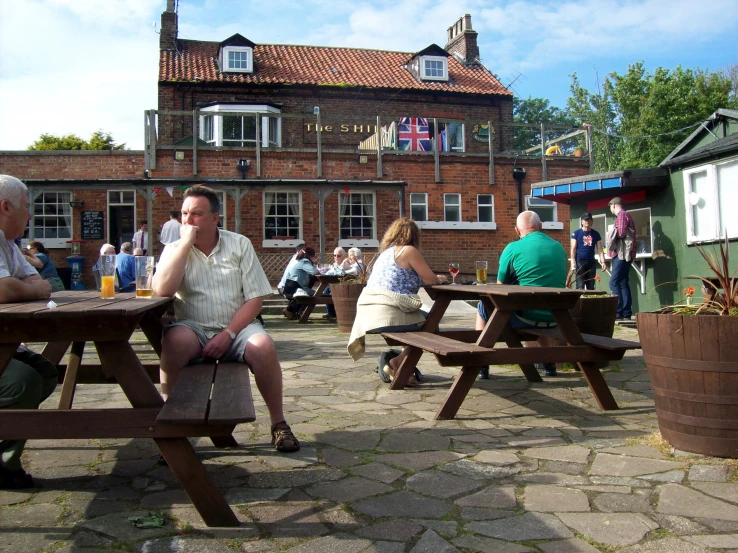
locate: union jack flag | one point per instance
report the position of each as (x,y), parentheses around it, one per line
(413,134)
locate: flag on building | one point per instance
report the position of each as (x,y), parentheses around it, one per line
(413,134)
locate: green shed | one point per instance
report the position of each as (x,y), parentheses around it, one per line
(683,202)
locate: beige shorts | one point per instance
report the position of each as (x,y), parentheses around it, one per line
(235,352)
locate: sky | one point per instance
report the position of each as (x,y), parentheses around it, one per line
(77,66)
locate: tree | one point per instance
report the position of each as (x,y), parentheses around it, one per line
(639,118)
(535,111)
(99,140)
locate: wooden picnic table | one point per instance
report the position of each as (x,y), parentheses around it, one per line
(472,349)
(83,317)
(319,298)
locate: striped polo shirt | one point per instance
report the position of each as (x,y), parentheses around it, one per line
(215,286)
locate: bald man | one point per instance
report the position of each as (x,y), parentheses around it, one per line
(534,260)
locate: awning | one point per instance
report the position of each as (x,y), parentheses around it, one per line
(592,187)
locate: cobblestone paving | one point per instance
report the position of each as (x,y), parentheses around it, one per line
(523,468)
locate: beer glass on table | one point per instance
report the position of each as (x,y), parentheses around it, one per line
(144,276)
(481,272)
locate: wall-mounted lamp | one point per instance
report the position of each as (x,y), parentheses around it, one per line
(363,159)
(243,166)
(179,155)
(77,203)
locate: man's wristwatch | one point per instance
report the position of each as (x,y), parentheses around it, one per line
(230,333)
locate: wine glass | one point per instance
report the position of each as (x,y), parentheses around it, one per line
(453,268)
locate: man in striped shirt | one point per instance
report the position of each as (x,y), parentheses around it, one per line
(218,284)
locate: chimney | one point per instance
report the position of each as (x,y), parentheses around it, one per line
(168,34)
(462,40)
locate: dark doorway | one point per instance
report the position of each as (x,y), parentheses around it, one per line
(121,225)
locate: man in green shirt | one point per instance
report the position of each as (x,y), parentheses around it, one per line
(534,260)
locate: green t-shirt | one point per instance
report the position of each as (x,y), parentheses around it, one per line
(534,260)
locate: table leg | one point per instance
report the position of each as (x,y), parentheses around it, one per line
(192,476)
(409,360)
(309,307)
(224,441)
(456,395)
(70,376)
(529,370)
(598,385)
(54,351)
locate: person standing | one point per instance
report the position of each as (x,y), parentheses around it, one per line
(621,243)
(141,238)
(218,285)
(586,244)
(170,229)
(29,377)
(534,260)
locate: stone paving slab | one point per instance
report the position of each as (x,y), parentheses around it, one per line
(378,474)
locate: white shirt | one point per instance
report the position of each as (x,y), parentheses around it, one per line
(12,261)
(169,232)
(215,286)
(140,239)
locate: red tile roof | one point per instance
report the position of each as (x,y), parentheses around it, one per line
(322,66)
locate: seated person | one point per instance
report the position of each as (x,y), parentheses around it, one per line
(29,378)
(37,256)
(105,249)
(390,301)
(355,262)
(534,260)
(125,264)
(290,264)
(137,252)
(301,276)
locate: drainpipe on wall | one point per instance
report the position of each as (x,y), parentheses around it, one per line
(519,175)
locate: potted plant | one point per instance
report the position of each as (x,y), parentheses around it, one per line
(345,295)
(692,360)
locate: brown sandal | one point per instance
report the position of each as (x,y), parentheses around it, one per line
(283,438)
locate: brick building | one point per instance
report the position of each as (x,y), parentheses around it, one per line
(325,145)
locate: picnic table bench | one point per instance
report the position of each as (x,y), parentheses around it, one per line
(319,298)
(82,317)
(471,349)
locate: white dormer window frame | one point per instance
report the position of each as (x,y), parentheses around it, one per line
(212,131)
(434,68)
(243,65)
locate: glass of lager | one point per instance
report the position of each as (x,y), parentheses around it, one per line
(144,276)
(107,277)
(481,272)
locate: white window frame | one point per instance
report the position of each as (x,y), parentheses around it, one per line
(215,137)
(424,205)
(450,148)
(359,242)
(715,232)
(50,243)
(491,205)
(444,67)
(272,243)
(459,225)
(222,213)
(446,203)
(225,65)
(547,225)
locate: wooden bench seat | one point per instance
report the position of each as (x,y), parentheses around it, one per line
(453,353)
(600,342)
(313,300)
(210,394)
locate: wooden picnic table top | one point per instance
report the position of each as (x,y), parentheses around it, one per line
(330,279)
(81,317)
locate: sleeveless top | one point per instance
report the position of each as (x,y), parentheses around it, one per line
(390,276)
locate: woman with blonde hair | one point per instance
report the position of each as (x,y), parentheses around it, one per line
(390,301)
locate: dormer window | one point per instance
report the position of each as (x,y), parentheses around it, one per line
(238,59)
(434,68)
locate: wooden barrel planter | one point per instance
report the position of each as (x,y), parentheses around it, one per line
(345,295)
(692,363)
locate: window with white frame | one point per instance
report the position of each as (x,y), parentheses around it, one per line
(419,207)
(710,192)
(434,68)
(221,208)
(546,209)
(485,208)
(452,207)
(357,216)
(237,59)
(282,215)
(237,130)
(52,219)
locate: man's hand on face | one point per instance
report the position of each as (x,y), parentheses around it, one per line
(217,346)
(189,233)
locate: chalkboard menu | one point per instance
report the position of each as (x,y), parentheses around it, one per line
(92,225)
